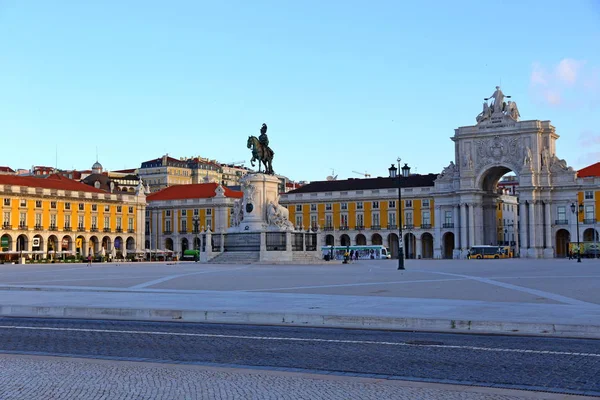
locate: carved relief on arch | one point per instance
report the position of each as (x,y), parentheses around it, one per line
(498,150)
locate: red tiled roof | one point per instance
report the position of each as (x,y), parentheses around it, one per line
(126,171)
(591,170)
(194,191)
(6,169)
(48,182)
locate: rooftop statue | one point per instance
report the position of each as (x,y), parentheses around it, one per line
(498,109)
(261,150)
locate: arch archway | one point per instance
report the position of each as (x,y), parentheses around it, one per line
(94,245)
(427,245)
(22,243)
(37,244)
(376,239)
(590,235)
(184,245)
(329,240)
(410,245)
(6,242)
(448,249)
(393,245)
(106,244)
(169,244)
(361,240)
(52,244)
(130,245)
(80,245)
(345,240)
(563,237)
(66,243)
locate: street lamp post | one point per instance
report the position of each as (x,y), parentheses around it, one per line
(394,173)
(577,210)
(196,221)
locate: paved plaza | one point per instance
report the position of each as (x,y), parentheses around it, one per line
(522,296)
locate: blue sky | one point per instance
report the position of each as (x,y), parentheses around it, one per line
(343,85)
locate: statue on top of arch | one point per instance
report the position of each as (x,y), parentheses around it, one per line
(498,108)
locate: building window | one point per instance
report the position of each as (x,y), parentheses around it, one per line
(38,220)
(183,213)
(53,220)
(426,218)
(167,226)
(447,217)
(6,217)
(94,207)
(81,207)
(313,207)
(119,225)
(561,212)
(106,222)
(7,202)
(425,203)
(23,203)
(196,212)
(589,195)
(313,221)
(344,220)
(130,210)
(392,204)
(183,225)
(376,221)
(106,208)
(360,221)
(67,221)
(130,224)
(52,204)
(119,209)
(392,218)
(328,207)
(589,212)
(408,203)
(168,213)
(80,221)
(359,205)
(408,218)
(67,206)
(22,218)
(38,204)
(375,205)
(329,221)
(298,207)
(344,206)
(209,211)
(299,220)
(94,222)
(209,224)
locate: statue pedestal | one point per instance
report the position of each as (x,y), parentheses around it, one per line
(259,190)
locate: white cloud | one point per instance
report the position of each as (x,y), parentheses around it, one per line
(538,75)
(567,70)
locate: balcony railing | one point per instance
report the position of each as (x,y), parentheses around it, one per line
(168,232)
(23,227)
(183,231)
(38,227)
(81,228)
(195,231)
(6,225)
(561,222)
(106,230)
(344,228)
(93,229)
(130,231)
(409,226)
(392,226)
(359,227)
(425,226)
(120,230)
(67,228)
(52,228)
(589,221)
(375,227)
(328,228)
(448,225)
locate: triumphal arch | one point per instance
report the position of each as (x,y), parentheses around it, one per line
(466,190)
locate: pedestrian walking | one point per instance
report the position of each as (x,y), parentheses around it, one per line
(570,254)
(89,260)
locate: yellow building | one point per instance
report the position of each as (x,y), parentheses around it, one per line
(56,216)
(178,215)
(366,212)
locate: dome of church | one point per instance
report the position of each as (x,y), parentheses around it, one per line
(97,168)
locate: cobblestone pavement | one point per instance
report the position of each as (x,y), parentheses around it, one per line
(29,378)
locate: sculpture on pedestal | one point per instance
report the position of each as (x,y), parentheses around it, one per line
(498,109)
(278,216)
(261,150)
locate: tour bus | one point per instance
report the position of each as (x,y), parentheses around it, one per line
(480,252)
(191,255)
(375,252)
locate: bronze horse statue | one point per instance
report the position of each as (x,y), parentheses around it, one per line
(262,153)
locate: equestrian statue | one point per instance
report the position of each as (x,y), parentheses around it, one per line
(261,150)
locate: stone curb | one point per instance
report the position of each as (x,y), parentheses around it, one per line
(309,320)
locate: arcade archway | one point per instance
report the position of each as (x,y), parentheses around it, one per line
(361,240)
(563,237)
(427,245)
(448,248)
(376,239)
